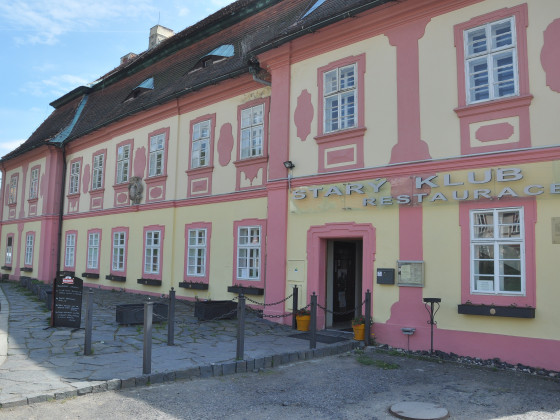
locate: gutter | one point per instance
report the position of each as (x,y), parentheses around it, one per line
(318,25)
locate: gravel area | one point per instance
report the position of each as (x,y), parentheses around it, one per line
(356,385)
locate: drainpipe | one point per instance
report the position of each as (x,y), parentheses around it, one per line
(254,69)
(61,208)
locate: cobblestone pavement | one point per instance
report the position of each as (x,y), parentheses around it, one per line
(48,363)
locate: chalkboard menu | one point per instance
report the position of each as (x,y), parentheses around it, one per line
(67,308)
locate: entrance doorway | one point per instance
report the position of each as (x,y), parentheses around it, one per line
(344,282)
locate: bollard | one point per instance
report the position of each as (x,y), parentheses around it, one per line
(89,322)
(147,354)
(367,326)
(432,314)
(313,323)
(171,319)
(294,307)
(240,327)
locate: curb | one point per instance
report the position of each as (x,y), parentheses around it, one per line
(4,317)
(205,371)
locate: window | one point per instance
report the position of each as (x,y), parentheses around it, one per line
(339,98)
(119,251)
(200,144)
(30,238)
(498,251)
(249,253)
(157,146)
(252,128)
(93,251)
(74,178)
(9,250)
(97,180)
(491,61)
(70,252)
(12,199)
(123,163)
(152,252)
(196,261)
(34,184)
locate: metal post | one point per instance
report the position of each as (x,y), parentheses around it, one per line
(89,322)
(171,319)
(147,359)
(430,310)
(294,306)
(367,327)
(313,326)
(240,327)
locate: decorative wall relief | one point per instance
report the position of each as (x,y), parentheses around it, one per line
(225,144)
(550,55)
(140,162)
(303,115)
(135,189)
(86,178)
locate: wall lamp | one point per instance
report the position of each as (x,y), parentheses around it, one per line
(289,166)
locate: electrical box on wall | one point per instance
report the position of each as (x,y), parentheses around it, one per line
(385,276)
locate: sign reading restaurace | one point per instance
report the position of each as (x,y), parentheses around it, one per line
(457,189)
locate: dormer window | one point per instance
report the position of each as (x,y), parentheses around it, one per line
(143,87)
(215,56)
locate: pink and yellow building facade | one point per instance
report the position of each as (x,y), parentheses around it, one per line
(407,148)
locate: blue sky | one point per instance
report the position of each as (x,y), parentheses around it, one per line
(53,46)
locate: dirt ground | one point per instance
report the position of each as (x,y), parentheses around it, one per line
(354,385)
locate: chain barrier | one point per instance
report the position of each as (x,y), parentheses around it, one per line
(351,311)
(265,304)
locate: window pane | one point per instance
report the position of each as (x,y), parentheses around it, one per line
(502,35)
(476,41)
(347,77)
(330,82)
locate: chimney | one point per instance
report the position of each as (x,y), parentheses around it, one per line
(158,34)
(127,58)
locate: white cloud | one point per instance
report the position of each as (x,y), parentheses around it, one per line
(7,146)
(184,11)
(55,86)
(47,20)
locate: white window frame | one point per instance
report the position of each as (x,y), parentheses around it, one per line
(123,163)
(497,237)
(34,184)
(157,157)
(152,252)
(337,89)
(70,251)
(29,240)
(119,251)
(9,249)
(74,187)
(196,259)
(488,56)
(93,251)
(252,131)
(12,199)
(97,178)
(200,147)
(249,239)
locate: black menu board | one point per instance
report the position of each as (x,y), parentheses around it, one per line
(67,308)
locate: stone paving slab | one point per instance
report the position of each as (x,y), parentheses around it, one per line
(43,363)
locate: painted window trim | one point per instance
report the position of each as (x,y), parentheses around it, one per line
(262,223)
(266,114)
(529,220)
(520,13)
(34,197)
(124,230)
(210,160)
(6,262)
(25,261)
(100,233)
(206,277)
(130,143)
(80,161)
(360,62)
(161,230)
(66,235)
(102,152)
(12,200)
(157,132)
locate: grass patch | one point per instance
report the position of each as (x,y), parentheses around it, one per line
(368,361)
